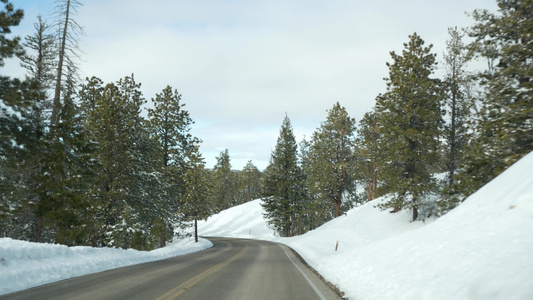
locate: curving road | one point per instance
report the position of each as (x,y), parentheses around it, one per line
(232,269)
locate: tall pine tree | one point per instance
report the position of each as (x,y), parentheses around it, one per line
(224,182)
(196,205)
(367,153)
(249,182)
(505,131)
(169,125)
(410,123)
(332,159)
(283,183)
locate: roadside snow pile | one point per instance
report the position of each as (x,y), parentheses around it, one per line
(483,249)
(24,264)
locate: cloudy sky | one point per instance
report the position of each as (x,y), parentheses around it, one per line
(241,65)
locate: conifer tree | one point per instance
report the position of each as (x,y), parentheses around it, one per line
(459,108)
(123,151)
(20,136)
(367,153)
(250,182)
(283,183)
(505,131)
(169,125)
(224,182)
(66,177)
(457,104)
(332,158)
(9,17)
(196,204)
(314,211)
(41,61)
(410,123)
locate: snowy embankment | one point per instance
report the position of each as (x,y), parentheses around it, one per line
(483,249)
(24,264)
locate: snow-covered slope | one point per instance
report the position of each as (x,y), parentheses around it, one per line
(244,221)
(24,264)
(483,249)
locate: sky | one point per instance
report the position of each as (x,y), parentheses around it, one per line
(241,66)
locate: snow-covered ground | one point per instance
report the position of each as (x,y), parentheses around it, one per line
(483,249)
(24,264)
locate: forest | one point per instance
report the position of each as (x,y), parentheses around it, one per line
(81,165)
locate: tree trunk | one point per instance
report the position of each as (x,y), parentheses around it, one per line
(374,181)
(163,237)
(57,104)
(453,140)
(370,184)
(337,203)
(415,208)
(415,213)
(37,234)
(195,230)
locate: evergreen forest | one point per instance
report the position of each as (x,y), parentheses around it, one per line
(81,164)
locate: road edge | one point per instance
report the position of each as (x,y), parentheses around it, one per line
(328,283)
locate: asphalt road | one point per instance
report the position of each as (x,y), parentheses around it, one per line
(232,269)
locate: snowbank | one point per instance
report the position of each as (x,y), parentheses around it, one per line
(483,249)
(24,264)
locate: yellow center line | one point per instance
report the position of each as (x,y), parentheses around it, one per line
(175,292)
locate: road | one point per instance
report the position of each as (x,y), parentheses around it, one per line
(232,269)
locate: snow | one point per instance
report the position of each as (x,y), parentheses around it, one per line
(24,265)
(482,249)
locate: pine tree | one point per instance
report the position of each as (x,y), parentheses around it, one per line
(196,204)
(9,17)
(124,153)
(410,124)
(332,159)
(457,104)
(224,182)
(20,148)
(367,153)
(505,131)
(459,107)
(40,63)
(20,136)
(67,176)
(283,183)
(249,182)
(170,124)
(314,211)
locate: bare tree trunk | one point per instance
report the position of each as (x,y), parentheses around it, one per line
(57,94)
